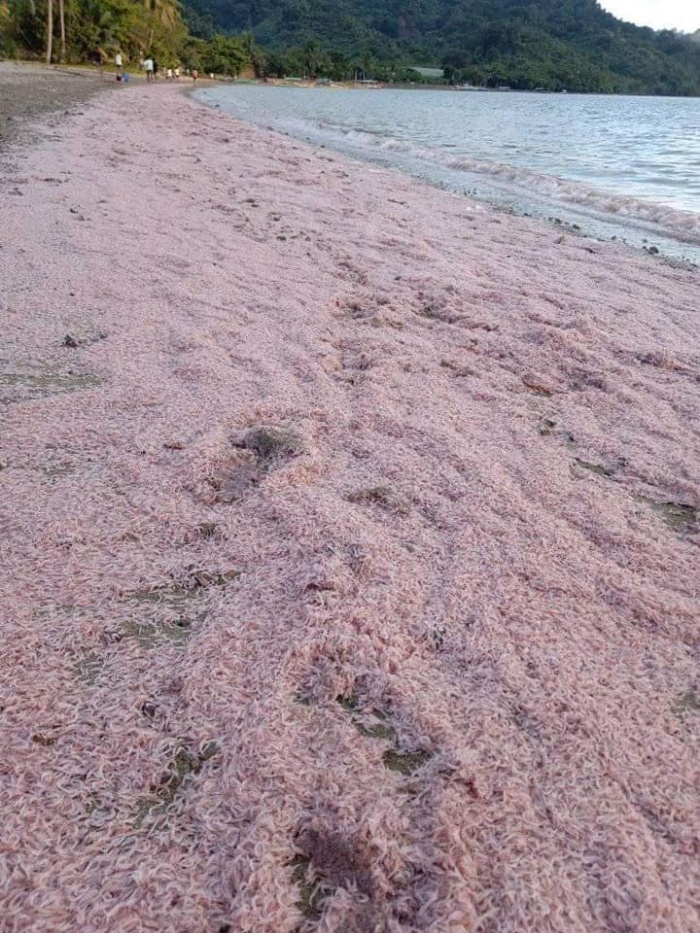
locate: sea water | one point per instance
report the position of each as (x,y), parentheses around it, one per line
(622,167)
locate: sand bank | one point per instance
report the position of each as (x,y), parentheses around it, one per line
(28,91)
(422,654)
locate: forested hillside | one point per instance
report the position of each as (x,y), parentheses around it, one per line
(553,44)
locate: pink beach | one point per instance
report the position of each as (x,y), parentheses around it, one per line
(350,548)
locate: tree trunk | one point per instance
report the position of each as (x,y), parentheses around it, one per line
(62,21)
(49,31)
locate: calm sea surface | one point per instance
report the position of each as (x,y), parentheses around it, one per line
(627,167)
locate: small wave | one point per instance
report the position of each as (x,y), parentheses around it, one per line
(394,145)
(677,223)
(682,224)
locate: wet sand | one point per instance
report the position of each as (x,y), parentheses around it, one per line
(29,91)
(350,548)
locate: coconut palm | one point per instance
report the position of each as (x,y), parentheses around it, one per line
(62,26)
(164,12)
(49,31)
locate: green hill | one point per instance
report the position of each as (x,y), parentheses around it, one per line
(552,44)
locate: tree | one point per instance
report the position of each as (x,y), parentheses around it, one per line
(49,31)
(315,60)
(62,26)
(224,55)
(163,12)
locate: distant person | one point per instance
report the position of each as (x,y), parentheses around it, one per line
(195,74)
(169,74)
(118,61)
(148,67)
(176,72)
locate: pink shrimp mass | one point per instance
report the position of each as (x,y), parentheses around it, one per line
(349,546)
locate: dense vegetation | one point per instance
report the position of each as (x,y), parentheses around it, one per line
(526,44)
(553,44)
(91,30)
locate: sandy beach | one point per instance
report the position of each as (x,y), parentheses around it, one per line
(28,91)
(350,548)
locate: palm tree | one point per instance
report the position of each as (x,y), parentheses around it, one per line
(62,22)
(164,12)
(49,31)
(160,14)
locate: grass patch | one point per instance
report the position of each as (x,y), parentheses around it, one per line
(382,496)
(596,468)
(151,634)
(207,530)
(359,312)
(209,750)
(269,448)
(549,427)
(373,726)
(349,703)
(271,445)
(377,730)
(204,578)
(433,313)
(183,765)
(39,385)
(41,738)
(406,763)
(376,725)
(310,895)
(90,667)
(534,385)
(177,592)
(457,370)
(178,602)
(54,471)
(337,862)
(679,517)
(688,702)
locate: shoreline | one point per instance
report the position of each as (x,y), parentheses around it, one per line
(351,547)
(597,213)
(31,92)
(36,95)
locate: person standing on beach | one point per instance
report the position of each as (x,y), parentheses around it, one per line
(148,68)
(118,61)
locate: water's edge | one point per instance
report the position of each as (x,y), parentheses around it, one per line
(591,212)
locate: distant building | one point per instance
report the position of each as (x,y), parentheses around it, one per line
(429,74)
